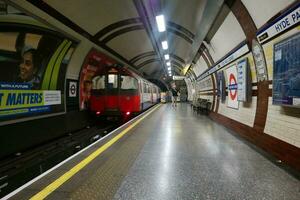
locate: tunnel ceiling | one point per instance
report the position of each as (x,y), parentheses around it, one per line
(128,29)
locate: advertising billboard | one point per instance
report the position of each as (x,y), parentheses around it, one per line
(33,63)
(286,72)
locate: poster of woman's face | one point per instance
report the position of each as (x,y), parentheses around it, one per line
(33,65)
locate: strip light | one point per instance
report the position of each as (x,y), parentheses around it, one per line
(167,57)
(164,45)
(160,20)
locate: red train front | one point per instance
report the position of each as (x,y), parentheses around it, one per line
(115,93)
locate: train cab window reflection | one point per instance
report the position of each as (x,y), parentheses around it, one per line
(144,87)
(32,40)
(128,82)
(112,81)
(8,41)
(99,82)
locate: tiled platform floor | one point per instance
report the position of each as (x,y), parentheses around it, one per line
(175,154)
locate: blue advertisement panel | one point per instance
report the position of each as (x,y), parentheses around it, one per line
(286,73)
(18,98)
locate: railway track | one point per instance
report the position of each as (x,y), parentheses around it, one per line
(22,167)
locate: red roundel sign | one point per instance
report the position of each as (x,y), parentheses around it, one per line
(232,87)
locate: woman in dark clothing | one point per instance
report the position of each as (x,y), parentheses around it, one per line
(174,97)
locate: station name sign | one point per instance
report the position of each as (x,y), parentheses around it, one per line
(287,20)
(178,78)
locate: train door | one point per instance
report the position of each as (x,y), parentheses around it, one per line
(112,91)
(141,93)
(152,93)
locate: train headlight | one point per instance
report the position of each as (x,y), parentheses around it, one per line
(127,113)
(98,113)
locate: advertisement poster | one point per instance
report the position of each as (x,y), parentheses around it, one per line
(22,101)
(260,62)
(231,73)
(33,63)
(243,80)
(221,86)
(286,73)
(93,64)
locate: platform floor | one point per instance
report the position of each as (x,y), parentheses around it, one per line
(173,154)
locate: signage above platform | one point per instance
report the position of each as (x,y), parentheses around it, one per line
(285,21)
(228,59)
(178,78)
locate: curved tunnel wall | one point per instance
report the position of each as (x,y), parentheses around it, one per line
(271,127)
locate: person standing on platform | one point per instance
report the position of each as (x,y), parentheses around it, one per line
(174,97)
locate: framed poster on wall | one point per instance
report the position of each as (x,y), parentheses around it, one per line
(260,61)
(231,73)
(286,72)
(244,80)
(221,86)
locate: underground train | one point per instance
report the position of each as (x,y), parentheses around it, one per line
(119,93)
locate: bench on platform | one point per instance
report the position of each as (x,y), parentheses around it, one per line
(201,105)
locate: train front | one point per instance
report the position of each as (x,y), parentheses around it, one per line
(115,94)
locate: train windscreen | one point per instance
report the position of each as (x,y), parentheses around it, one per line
(99,82)
(128,83)
(112,81)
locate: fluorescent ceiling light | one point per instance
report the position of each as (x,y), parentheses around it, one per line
(164,44)
(168,64)
(167,57)
(170,74)
(160,20)
(169,68)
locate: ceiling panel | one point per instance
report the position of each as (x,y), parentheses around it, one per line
(151,67)
(94,15)
(179,46)
(185,13)
(142,60)
(131,44)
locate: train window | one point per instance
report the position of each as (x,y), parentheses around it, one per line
(128,83)
(8,41)
(32,40)
(68,55)
(112,81)
(98,82)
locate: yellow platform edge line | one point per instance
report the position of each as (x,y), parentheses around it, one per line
(62,179)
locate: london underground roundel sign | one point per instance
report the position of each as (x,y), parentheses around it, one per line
(232,87)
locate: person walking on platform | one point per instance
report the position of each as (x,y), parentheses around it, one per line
(174,97)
